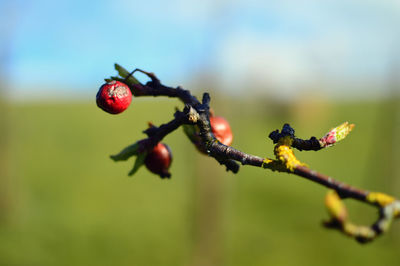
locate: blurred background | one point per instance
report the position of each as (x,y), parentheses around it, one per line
(313,64)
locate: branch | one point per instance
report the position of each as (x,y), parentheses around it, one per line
(197,114)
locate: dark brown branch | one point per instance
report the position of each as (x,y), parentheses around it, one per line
(156,134)
(198,113)
(344,190)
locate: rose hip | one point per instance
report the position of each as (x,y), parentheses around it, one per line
(221,130)
(159,160)
(219,127)
(114,97)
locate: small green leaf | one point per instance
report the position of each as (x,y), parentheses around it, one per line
(121,71)
(124,73)
(138,163)
(126,153)
(116,78)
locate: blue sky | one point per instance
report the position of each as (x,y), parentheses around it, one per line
(285,46)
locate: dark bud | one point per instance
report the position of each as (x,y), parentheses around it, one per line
(287,130)
(274,135)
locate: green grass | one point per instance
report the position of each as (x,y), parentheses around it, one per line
(65,202)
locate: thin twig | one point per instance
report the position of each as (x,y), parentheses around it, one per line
(198,113)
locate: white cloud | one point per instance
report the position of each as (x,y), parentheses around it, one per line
(346,44)
(245,58)
(337,42)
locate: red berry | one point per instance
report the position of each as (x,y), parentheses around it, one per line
(114,97)
(221,130)
(159,160)
(219,127)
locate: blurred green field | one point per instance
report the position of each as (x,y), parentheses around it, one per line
(64,202)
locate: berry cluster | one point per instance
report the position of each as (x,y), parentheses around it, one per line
(114,97)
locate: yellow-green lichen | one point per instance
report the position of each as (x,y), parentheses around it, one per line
(380,198)
(274,165)
(285,159)
(284,153)
(335,206)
